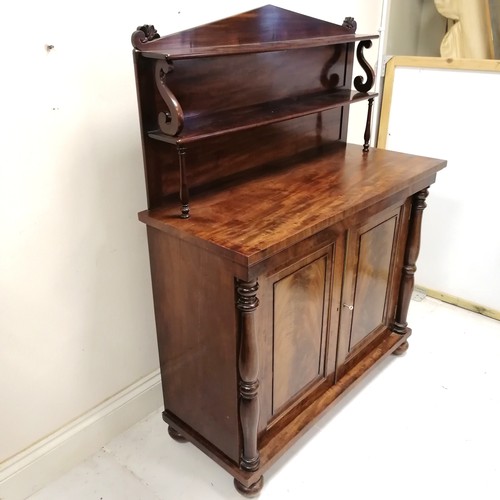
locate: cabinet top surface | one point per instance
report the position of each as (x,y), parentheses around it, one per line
(264,29)
(253,216)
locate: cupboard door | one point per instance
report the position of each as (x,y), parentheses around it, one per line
(373,266)
(298,330)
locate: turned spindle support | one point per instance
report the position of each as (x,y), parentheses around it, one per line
(183,185)
(248,367)
(364,85)
(368,128)
(409,267)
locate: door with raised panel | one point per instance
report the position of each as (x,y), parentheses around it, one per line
(374,255)
(297,329)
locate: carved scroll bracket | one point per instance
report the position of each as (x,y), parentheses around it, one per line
(359,82)
(248,366)
(350,24)
(172,121)
(144,34)
(331,80)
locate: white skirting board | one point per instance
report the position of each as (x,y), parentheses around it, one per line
(30,470)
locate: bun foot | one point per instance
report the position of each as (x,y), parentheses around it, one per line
(175,435)
(249,491)
(401,349)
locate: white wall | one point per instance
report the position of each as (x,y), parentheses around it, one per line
(403,26)
(76,315)
(414,28)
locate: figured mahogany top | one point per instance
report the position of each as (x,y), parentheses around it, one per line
(264,29)
(256,215)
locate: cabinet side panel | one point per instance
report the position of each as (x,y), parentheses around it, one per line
(375,250)
(197,340)
(298,330)
(158,160)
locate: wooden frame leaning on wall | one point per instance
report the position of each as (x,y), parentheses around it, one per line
(486,65)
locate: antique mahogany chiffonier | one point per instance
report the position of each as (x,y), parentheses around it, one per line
(282,258)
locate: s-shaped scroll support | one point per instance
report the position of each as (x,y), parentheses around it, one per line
(364,86)
(171,121)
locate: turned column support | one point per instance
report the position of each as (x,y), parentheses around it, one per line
(183,184)
(248,367)
(409,267)
(368,127)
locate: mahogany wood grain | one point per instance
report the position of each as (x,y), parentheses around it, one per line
(246,118)
(243,95)
(216,158)
(275,273)
(375,251)
(282,437)
(248,368)
(254,216)
(361,83)
(183,102)
(368,127)
(411,255)
(299,325)
(401,349)
(172,121)
(312,409)
(287,274)
(243,85)
(197,350)
(267,28)
(372,279)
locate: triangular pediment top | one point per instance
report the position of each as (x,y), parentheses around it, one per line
(262,29)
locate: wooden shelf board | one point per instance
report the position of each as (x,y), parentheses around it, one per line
(199,127)
(264,29)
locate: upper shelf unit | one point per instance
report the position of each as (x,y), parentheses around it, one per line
(270,81)
(255,55)
(264,29)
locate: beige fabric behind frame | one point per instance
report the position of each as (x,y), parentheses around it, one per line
(468,36)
